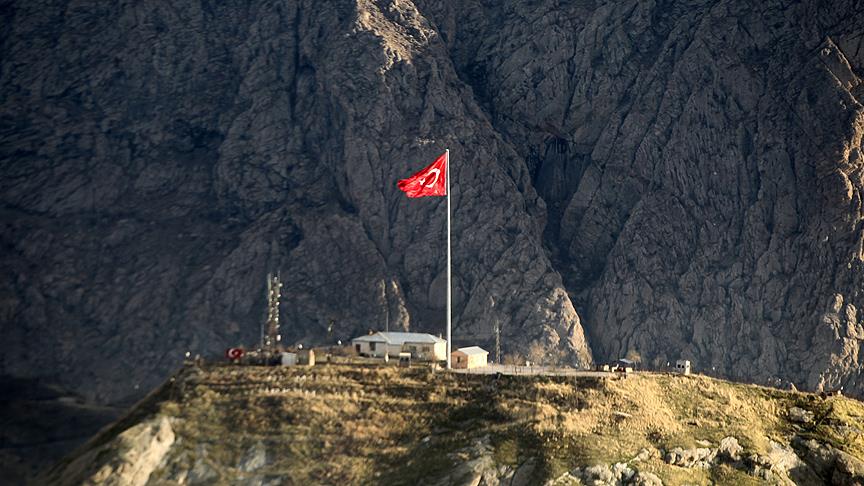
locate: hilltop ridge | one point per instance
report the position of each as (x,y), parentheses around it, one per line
(353,424)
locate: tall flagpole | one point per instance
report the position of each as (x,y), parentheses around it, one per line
(447,181)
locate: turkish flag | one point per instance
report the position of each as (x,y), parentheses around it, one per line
(430,181)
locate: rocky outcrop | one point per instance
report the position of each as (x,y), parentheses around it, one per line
(619,474)
(701,457)
(800,415)
(805,461)
(832,465)
(128,459)
(674,180)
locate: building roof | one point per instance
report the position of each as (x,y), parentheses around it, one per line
(472,350)
(399,338)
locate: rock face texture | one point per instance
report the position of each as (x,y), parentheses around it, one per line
(127,460)
(673,179)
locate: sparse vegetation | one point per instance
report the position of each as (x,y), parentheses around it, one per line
(344,423)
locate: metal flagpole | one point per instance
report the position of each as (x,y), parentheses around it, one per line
(447,181)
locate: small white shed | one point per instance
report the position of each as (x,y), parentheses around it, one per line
(682,366)
(289,359)
(470,357)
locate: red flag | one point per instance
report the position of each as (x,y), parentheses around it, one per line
(430,181)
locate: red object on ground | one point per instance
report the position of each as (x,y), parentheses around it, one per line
(429,181)
(234,353)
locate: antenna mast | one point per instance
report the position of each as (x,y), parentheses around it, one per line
(274,292)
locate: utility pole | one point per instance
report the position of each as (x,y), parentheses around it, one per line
(386,306)
(497,341)
(497,330)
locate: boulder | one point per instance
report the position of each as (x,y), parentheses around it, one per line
(255,458)
(645,478)
(524,474)
(829,463)
(848,470)
(800,415)
(697,457)
(729,449)
(127,460)
(616,475)
(782,458)
(598,475)
(645,454)
(565,479)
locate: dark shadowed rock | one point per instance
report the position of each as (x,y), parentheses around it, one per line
(675,180)
(700,164)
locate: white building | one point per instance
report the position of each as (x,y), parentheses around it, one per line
(682,366)
(422,346)
(470,357)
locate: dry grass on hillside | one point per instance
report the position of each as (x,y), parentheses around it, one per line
(361,424)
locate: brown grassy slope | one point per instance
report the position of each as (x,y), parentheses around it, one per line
(369,424)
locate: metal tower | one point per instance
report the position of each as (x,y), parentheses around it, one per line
(271,336)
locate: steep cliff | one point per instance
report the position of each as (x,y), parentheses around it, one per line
(701,166)
(671,179)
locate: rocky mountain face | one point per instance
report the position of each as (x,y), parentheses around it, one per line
(701,167)
(670,179)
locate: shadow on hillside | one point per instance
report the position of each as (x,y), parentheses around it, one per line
(478,434)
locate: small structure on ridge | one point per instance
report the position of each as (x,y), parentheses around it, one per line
(470,357)
(624,366)
(422,346)
(682,366)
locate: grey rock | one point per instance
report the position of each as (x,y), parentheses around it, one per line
(476,466)
(679,179)
(127,459)
(255,458)
(644,455)
(782,458)
(598,475)
(201,472)
(800,415)
(616,475)
(566,479)
(729,449)
(700,457)
(622,472)
(781,465)
(524,474)
(828,463)
(645,478)
(681,201)
(818,456)
(848,470)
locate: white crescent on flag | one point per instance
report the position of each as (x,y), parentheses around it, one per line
(428,181)
(234,353)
